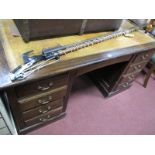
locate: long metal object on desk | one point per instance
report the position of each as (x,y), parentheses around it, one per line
(31,63)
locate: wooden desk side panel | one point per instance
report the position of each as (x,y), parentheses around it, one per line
(10,96)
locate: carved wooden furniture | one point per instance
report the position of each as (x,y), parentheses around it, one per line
(42,97)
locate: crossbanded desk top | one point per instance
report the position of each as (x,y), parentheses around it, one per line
(11,49)
(14,47)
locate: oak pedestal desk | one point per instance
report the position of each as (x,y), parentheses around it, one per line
(42,97)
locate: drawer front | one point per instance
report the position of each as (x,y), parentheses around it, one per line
(43,99)
(123,86)
(44,117)
(41,86)
(145,57)
(128,78)
(2,123)
(136,67)
(42,109)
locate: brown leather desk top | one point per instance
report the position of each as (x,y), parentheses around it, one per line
(15,46)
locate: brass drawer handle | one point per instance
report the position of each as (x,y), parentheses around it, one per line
(131,77)
(45,88)
(137,67)
(45,111)
(45,119)
(45,101)
(145,56)
(125,85)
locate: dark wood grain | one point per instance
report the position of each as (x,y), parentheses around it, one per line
(118,80)
(32,102)
(23,96)
(42,109)
(44,117)
(41,86)
(72,64)
(41,124)
(72,76)
(95,66)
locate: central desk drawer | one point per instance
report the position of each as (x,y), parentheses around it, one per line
(44,117)
(42,109)
(41,86)
(43,99)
